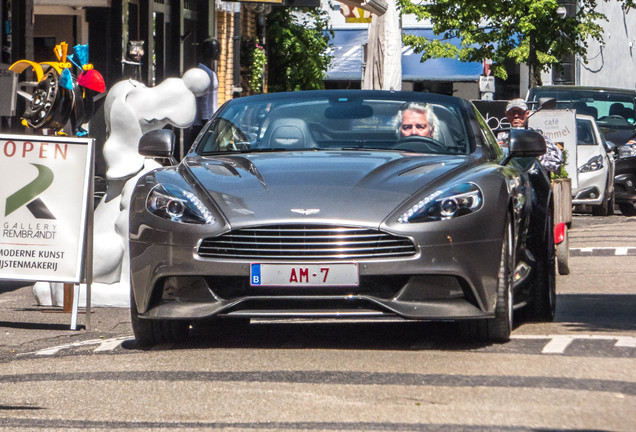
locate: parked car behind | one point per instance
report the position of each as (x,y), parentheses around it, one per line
(596,167)
(613,109)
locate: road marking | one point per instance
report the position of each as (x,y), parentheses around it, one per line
(111,344)
(103,345)
(557,344)
(626,341)
(604,251)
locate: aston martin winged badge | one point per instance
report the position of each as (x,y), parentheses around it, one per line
(306,212)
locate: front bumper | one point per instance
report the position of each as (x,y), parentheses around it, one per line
(625,188)
(591,188)
(445,280)
(588,196)
(625,180)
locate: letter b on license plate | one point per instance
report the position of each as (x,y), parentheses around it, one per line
(342,274)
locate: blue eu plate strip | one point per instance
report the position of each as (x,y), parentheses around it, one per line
(255,274)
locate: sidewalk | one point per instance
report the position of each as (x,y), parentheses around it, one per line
(23,321)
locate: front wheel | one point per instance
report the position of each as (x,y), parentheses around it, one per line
(610,205)
(628,209)
(602,209)
(499,328)
(150,332)
(544,284)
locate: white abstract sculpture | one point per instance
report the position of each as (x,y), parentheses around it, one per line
(131,109)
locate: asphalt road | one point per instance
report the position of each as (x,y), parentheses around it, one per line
(577,373)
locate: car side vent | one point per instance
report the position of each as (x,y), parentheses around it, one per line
(306,242)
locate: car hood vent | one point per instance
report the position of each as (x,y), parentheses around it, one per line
(288,242)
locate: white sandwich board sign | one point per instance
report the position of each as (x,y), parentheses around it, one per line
(45,183)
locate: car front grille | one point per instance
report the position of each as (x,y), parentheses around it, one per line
(306,242)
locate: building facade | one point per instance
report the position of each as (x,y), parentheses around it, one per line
(609,64)
(147,40)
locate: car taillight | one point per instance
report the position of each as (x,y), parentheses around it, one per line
(559,232)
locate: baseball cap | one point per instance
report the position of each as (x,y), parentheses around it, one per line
(516,103)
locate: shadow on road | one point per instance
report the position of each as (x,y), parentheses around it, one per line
(597,312)
(575,312)
(347,335)
(36,326)
(10,285)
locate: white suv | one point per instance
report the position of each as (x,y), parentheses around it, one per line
(595,164)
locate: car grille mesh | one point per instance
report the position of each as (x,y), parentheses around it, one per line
(306,242)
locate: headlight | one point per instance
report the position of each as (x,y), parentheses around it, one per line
(594,164)
(626,150)
(446,204)
(174,203)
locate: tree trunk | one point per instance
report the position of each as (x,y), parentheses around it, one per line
(534,69)
(533,78)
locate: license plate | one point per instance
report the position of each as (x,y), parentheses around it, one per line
(341,274)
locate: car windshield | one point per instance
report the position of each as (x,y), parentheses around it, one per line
(612,109)
(336,121)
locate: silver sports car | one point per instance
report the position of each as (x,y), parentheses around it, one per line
(342,204)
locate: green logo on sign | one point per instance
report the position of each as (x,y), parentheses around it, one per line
(29,192)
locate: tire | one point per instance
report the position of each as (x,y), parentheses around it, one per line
(563,255)
(499,328)
(611,203)
(150,332)
(601,210)
(628,209)
(544,284)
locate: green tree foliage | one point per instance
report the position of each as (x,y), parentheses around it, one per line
(629,4)
(524,31)
(253,61)
(297,41)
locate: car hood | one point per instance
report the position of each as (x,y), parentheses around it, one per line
(311,186)
(585,152)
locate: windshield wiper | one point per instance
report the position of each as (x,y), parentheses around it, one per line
(262,150)
(363,148)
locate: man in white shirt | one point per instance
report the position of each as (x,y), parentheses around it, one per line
(517,114)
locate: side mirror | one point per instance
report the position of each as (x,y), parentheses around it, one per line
(611,149)
(157,144)
(525,143)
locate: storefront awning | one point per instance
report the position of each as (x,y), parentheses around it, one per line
(73,3)
(376,7)
(347,62)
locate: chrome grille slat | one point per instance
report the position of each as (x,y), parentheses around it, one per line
(295,243)
(306,229)
(296,256)
(304,237)
(303,248)
(324,250)
(306,241)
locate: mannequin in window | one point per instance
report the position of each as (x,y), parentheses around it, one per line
(132,62)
